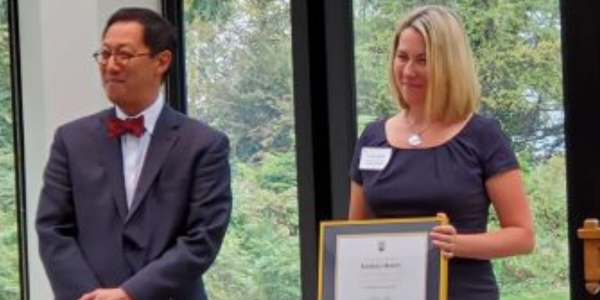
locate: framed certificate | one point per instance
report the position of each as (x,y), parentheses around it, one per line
(383,259)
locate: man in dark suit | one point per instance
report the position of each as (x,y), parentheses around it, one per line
(136,198)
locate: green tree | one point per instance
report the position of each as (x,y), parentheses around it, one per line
(260,255)
(517,45)
(239,74)
(532,274)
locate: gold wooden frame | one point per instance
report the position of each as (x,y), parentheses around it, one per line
(332,229)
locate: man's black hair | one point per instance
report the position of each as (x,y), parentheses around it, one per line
(159,34)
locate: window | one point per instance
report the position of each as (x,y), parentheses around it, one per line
(9,241)
(239,79)
(518,55)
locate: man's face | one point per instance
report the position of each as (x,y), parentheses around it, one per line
(131,76)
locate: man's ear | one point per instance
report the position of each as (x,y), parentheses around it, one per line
(163,60)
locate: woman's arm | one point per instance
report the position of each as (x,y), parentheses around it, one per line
(516,234)
(358,204)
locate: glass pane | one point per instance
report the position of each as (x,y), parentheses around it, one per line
(239,79)
(9,247)
(517,48)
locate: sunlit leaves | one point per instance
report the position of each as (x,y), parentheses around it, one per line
(240,81)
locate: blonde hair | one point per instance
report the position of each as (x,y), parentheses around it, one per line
(453,89)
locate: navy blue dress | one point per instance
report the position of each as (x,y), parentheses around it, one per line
(448,178)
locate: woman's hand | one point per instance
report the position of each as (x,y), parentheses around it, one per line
(444,237)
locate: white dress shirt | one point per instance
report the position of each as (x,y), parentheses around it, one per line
(134,149)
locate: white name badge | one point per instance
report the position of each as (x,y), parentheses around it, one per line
(374,159)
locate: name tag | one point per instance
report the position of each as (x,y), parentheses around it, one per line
(374,159)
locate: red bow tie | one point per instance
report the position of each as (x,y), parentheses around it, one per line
(118,127)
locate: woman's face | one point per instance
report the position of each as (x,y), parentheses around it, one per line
(410,67)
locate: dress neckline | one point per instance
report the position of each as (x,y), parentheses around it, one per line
(459,133)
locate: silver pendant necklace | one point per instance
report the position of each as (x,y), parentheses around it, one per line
(415,137)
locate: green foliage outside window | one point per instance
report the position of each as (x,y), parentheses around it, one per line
(239,72)
(9,252)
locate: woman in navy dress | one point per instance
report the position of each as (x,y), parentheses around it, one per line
(438,155)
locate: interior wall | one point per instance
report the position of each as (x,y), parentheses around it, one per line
(60,83)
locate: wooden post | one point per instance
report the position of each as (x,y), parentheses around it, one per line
(590,233)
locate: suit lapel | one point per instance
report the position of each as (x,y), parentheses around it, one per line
(161,142)
(112,161)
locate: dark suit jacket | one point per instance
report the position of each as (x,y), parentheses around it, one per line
(159,248)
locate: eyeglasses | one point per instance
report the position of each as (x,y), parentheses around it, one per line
(120,57)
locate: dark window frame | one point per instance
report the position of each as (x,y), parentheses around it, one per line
(581,75)
(175,85)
